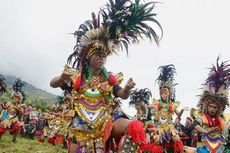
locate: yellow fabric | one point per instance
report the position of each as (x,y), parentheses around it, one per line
(1,114)
(97,132)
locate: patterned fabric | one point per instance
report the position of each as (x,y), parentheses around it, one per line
(213,142)
(164,123)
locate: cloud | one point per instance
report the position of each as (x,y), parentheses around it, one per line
(34,42)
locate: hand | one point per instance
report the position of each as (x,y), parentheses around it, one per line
(212,130)
(66,77)
(129,85)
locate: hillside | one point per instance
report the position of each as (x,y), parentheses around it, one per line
(31,91)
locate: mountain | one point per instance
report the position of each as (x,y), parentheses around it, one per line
(31,91)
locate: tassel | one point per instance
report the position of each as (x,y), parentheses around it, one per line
(112,80)
(151,148)
(15,129)
(40,139)
(77,83)
(59,140)
(178,146)
(51,140)
(2,131)
(170,108)
(136,130)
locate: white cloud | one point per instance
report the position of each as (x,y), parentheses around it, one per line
(34,42)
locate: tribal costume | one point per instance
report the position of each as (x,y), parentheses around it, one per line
(123,22)
(214,96)
(140,99)
(93,123)
(3,113)
(14,110)
(164,110)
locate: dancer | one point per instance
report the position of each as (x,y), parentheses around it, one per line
(209,119)
(14,110)
(164,109)
(93,86)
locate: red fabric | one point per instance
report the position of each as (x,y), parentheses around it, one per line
(51,140)
(170,108)
(152,148)
(39,132)
(77,83)
(108,129)
(59,139)
(136,130)
(158,106)
(112,80)
(178,146)
(213,122)
(15,129)
(2,131)
(69,141)
(40,139)
(168,145)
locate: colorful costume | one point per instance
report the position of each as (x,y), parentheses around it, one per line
(215,92)
(163,118)
(12,122)
(118,24)
(164,111)
(3,113)
(140,99)
(93,123)
(14,110)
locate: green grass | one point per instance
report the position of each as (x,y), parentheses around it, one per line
(26,145)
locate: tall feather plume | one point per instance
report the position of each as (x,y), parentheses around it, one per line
(127,21)
(166,79)
(123,22)
(138,96)
(166,76)
(83,28)
(2,84)
(216,86)
(18,84)
(17,88)
(219,75)
(140,99)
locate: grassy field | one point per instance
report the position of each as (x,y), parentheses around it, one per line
(26,145)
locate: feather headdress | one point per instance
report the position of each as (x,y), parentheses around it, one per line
(17,89)
(140,99)
(166,79)
(118,24)
(2,84)
(216,86)
(138,96)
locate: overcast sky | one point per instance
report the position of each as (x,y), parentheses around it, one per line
(34,42)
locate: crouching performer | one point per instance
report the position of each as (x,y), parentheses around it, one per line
(209,115)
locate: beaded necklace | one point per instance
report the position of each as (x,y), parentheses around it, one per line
(166,108)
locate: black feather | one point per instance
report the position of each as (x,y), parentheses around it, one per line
(2,84)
